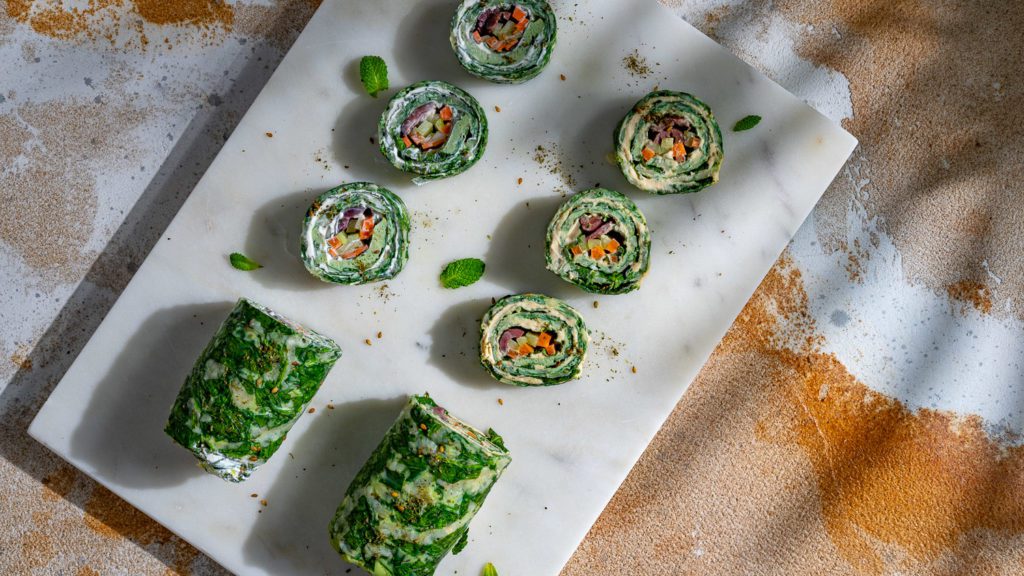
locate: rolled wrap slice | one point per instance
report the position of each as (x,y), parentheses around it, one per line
(533,340)
(505,42)
(356,233)
(246,390)
(434,130)
(669,143)
(412,501)
(599,241)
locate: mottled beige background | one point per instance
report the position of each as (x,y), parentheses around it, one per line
(780,459)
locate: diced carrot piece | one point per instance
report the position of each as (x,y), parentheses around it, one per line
(597,252)
(612,246)
(576,250)
(366,230)
(446,113)
(693,143)
(543,340)
(492,42)
(333,242)
(333,252)
(614,258)
(407,142)
(679,151)
(550,349)
(518,14)
(512,354)
(525,349)
(355,252)
(477,37)
(521,25)
(648,154)
(446,127)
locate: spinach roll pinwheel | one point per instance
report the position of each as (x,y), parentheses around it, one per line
(246,390)
(505,42)
(434,130)
(669,143)
(412,501)
(533,340)
(356,233)
(599,241)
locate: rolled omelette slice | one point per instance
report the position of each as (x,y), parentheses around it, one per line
(434,130)
(246,390)
(355,234)
(599,241)
(669,143)
(533,340)
(412,501)
(505,42)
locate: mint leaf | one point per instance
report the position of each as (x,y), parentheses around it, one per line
(462,272)
(243,262)
(746,123)
(489,570)
(373,73)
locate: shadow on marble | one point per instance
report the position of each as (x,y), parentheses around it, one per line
(354,143)
(423,54)
(318,468)
(455,344)
(122,436)
(515,256)
(274,238)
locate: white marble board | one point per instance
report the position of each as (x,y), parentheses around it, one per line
(572,445)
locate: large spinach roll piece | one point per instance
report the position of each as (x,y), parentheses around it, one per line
(434,130)
(533,340)
(669,143)
(248,387)
(356,233)
(506,42)
(599,241)
(412,501)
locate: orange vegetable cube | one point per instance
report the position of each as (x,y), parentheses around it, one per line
(525,349)
(612,246)
(693,143)
(576,250)
(333,252)
(445,113)
(333,242)
(366,230)
(355,252)
(521,25)
(446,127)
(543,340)
(597,252)
(648,154)
(518,14)
(492,42)
(614,258)
(406,141)
(550,349)
(679,151)
(477,37)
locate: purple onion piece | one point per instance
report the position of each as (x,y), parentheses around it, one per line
(507,336)
(418,115)
(601,230)
(589,222)
(482,19)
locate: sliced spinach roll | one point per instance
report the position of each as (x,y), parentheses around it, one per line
(356,233)
(434,130)
(533,340)
(412,501)
(246,390)
(669,143)
(599,241)
(506,42)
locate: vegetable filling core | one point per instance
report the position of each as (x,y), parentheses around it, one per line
(501,28)
(596,240)
(670,137)
(428,126)
(519,342)
(353,231)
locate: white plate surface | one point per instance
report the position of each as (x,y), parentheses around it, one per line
(572,445)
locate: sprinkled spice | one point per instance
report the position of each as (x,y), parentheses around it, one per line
(562,76)
(368,342)
(380,335)
(311,410)
(263,502)
(330,406)
(497,108)
(270,134)
(633,369)
(596,303)
(520,181)
(636,64)
(501,402)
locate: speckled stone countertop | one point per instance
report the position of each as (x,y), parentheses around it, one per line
(862,416)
